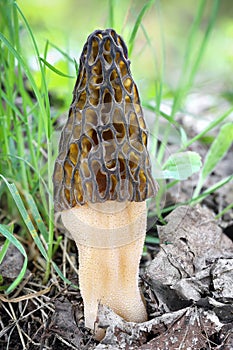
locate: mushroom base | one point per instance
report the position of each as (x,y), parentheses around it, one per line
(110,276)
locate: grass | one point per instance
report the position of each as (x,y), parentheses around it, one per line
(27,128)
(27,153)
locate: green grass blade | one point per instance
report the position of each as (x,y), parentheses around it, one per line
(63,53)
(162,114)
(43,100)
(31,228)
(187,56)
(55,70)
(205,40)
(6,233)
(224,211)
(13,107)
(190,69)
(26,218)
(111,13)
(29,165)
(36,216)
(137,24)
(151,239)
(210,127)
(60,274)
(44,85)
(159,59)
(3,250)
(10,238)
(76,66)
(28,74)
(211,189)
(203,195)
(192,37)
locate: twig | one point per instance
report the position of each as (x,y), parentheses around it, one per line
(65,342)
(64,251)
(26,297)
(18,327)
(22,285)
(69,260)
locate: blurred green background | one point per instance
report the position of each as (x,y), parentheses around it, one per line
(159,49)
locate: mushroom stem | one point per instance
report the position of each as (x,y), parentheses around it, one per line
(110,244)
(113,281)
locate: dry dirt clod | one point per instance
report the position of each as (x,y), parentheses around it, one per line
(11,264)
(197,256)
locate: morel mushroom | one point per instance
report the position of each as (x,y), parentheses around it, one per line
(102,178)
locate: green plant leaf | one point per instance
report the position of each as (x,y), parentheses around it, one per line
(183,136)
(11,238)
(181,165)
(217,150)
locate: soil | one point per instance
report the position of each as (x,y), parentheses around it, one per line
(186,280)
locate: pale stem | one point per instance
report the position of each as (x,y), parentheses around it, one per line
(110,238)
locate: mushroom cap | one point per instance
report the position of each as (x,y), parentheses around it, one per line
(103,147)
